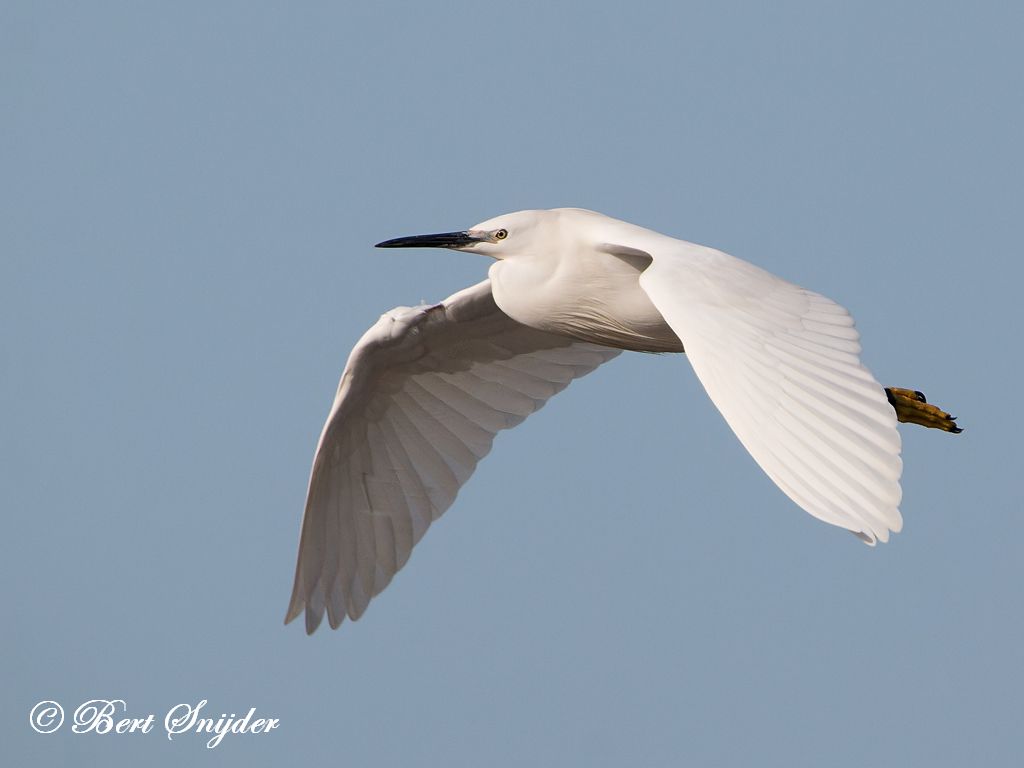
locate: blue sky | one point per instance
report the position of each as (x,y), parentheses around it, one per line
(191,195)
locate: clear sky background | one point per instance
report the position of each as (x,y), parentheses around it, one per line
(190,193)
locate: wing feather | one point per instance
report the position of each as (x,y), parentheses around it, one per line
(782,365)
(419,403)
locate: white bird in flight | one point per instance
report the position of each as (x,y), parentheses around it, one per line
(427,388)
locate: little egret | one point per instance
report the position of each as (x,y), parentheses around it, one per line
(426,389)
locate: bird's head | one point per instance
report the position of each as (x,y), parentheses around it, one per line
(503,237)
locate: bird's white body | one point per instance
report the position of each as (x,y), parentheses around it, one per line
(427,388)
(590,292)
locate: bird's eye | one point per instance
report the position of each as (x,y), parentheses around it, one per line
(501,234)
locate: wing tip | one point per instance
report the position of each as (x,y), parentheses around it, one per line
(314,619)
(872,537)
(297,607)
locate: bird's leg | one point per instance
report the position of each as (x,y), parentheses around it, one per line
(912,408)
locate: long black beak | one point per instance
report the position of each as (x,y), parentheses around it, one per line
(442,240)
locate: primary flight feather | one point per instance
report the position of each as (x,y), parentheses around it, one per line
(427,388)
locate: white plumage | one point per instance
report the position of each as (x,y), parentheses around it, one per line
(427,388)
(422,396)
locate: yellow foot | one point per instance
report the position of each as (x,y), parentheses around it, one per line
(912,408)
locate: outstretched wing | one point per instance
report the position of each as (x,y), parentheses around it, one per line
(781,364)
(422,396)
